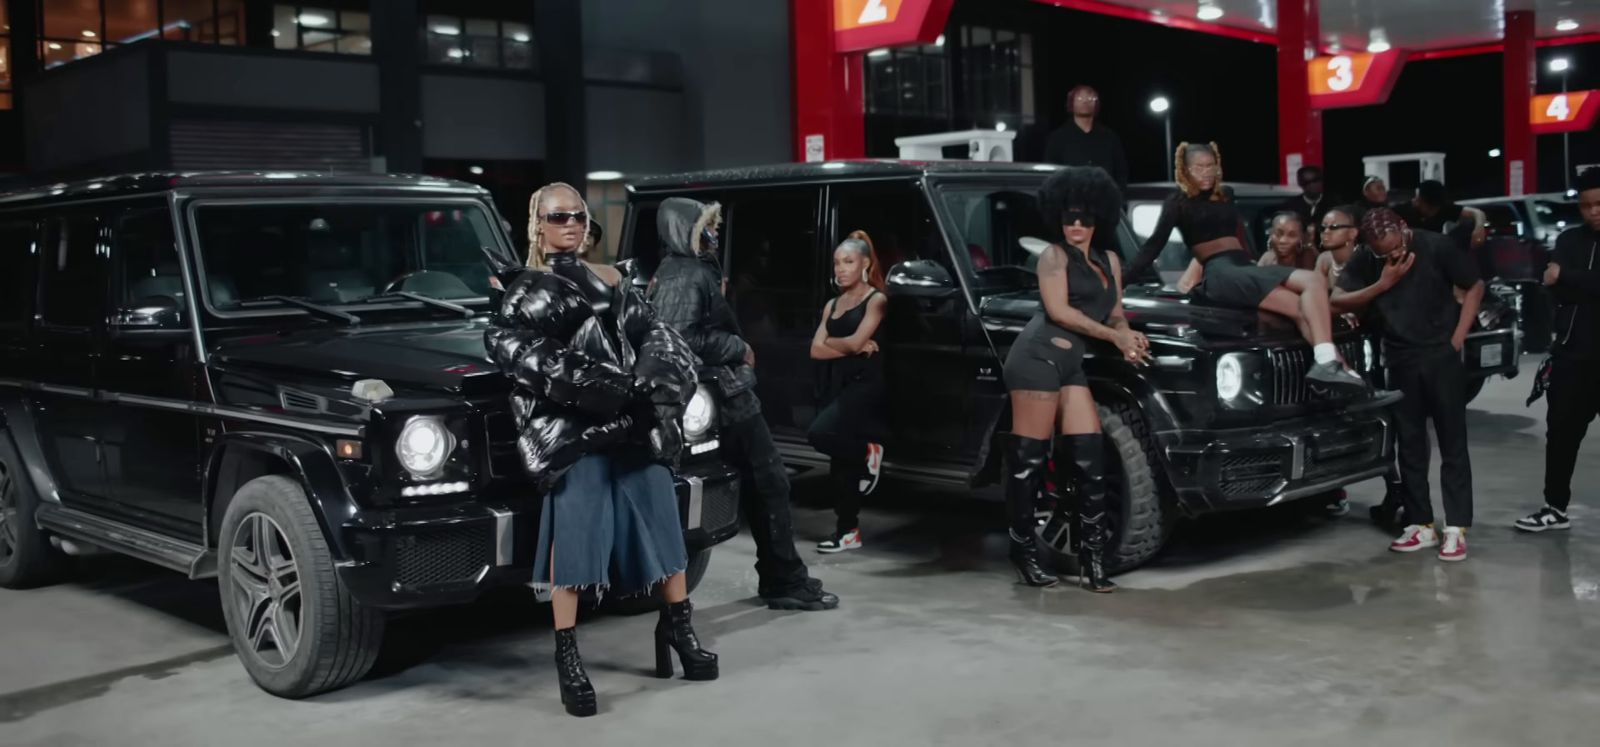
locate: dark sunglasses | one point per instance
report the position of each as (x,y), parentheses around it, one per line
(1069,217)
(561,219)
(1338,226)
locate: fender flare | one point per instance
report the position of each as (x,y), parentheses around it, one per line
(308,461)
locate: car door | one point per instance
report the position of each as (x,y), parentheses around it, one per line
(921,336)
(775,278)
(64,353)
(148,374)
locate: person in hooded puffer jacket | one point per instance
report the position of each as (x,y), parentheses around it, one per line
(687,291)
(599,386)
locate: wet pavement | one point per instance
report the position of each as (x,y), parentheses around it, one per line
(1274,627)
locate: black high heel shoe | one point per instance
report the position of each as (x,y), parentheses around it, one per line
(577,694)
(1085,455)
(1025,463)
(675,632)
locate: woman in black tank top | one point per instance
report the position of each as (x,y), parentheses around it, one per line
(1080,288)
(850,426)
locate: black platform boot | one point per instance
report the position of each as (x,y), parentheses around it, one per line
(1085,455)
(676,632)
(576,692)
(1025,463)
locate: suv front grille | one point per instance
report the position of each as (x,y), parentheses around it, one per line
(720,508)
(1289,367)
(455,555)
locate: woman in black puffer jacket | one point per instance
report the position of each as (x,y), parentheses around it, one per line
(600,388)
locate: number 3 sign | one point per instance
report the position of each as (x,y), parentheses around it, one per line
(1357,79)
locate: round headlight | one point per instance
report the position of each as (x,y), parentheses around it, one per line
(697,417)
(423,446)
(1230,377)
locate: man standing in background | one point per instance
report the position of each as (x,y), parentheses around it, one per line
(1083,141)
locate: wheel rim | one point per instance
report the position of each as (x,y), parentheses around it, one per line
(267,601)
(8,514)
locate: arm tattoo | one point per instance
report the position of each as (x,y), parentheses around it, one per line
(1053,262)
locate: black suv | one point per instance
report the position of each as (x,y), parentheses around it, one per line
(1221,420)
(278,380)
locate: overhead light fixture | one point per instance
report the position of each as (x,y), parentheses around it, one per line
(88,33)
(54,45)
(1378,43)
(1566,24)
(276,34)
(1560,65)
(475,170)
(446,30)
(456,53)
(604,176)
(1208,12)
(1494,152)
(999,126)
(939,42)
(1160,104)
(878,53)
(521,37)
(312,19)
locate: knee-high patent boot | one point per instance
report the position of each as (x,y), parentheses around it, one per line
(675,633)
(1025,464)
(576,692)
(1085,455)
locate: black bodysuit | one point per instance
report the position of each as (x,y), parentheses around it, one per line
(1231,278)
(1036,363)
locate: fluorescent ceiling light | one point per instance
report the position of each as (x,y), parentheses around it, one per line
(520,37)
(604,176)
(1379,47)
(1566,24)
(88,33)
(446,30)
(312,19)
(1208,12)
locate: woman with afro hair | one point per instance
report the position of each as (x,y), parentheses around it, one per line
(1204,211)
(1080,286)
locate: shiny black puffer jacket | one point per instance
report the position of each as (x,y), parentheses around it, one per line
(583,382)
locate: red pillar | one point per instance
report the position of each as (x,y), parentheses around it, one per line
(828,86)
(1299,126)
(1521,153)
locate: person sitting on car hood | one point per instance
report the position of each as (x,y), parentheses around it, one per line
(687,293)
(600,387)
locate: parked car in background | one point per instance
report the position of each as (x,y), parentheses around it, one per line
(280,381)
(1221,420)
(1522,233)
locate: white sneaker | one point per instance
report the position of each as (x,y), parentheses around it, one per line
(1544,520)
(1454,548)
(850,540)
(1415,537)
(874,469)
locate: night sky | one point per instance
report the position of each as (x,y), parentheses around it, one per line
(1226,90)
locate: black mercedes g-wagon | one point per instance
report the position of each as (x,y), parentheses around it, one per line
(278,380)
(1221,420)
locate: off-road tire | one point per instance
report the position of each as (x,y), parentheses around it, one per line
(1141,520)
(26,558)
(337,637)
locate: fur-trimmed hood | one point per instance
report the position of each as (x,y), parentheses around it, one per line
(681,222)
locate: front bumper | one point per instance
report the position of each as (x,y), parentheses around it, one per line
(432,556)
(1219,470)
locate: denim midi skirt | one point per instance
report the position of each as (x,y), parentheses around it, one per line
(610,523)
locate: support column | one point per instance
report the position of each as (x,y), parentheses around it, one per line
(1299,126)
(395,26)
(558,30)
(828,87)
(1521,151)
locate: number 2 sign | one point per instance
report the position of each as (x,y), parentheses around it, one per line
(859,25)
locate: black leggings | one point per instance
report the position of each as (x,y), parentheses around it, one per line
(847,430)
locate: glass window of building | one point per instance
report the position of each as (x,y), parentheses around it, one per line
(480,42)
(75,29)
(5,58)
(315,29)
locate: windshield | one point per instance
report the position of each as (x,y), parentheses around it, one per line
(1557,215)
(1001,229)
(341,253)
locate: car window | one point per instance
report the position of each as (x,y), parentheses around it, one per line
(1143,217)
(341,253)
(643,243)
(897,217)
(72,272)
(1501,220)
(998,227)
(17,248)
(145,256)
(774,263)
(1557,215)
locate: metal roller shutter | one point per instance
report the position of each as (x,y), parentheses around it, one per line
(215,144)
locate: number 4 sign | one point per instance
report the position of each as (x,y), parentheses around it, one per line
(1564,112)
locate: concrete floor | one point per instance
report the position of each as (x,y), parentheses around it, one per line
(1279,627)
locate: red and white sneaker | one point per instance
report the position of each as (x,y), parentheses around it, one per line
(1415,537)
(840,542)
(874,469)
(1454,548)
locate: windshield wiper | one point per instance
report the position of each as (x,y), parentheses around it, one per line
(425,300)
(317,309)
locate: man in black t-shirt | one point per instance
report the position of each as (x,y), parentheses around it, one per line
(1409,277)
(1083,141)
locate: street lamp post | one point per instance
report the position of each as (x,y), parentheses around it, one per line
(1160,105)
(1561,66)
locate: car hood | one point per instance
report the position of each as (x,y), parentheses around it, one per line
(1167,313)
(447,357)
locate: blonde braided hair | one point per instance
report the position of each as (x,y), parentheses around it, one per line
(1182,167)
(536,253)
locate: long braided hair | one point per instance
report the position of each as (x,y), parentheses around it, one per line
(536,251)
(1182,167)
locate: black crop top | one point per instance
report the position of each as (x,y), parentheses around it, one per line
(1200,218)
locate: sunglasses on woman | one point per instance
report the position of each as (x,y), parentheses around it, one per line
(561,219)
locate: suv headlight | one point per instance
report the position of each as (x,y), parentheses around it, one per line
(1230,377)
(423,445)
(699,415)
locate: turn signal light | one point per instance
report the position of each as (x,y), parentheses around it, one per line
(347,449)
